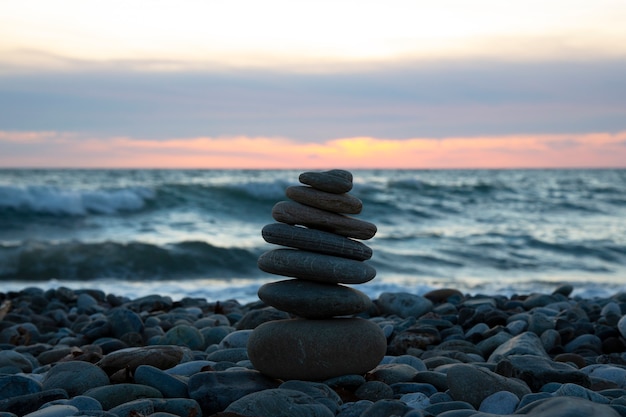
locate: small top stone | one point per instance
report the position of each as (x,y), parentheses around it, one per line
(336,181)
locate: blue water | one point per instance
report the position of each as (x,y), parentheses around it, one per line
(198,232)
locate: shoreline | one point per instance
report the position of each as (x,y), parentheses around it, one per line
(451,354)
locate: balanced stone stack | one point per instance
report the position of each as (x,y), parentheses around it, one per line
(321,253)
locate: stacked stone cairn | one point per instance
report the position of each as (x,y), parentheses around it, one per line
(322,252)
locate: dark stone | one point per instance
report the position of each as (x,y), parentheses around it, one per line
(337,203)
(537,371)
(335,181)
(315,241)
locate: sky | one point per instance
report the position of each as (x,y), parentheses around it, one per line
(313,84)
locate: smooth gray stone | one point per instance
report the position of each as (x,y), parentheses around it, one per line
(184,335)
(337,203)
(609,372)
(236,339)
(501,402)
(169,385)
(141,407)
(291,212)
(177,406)
(58,410)
(573,390)
(214,391)
(279,403)
(82,402)
(315,241)
(384,408)
(125,321)
(403,304)
(354,409)
(537,371)
(473,384)
(566,407)
(391,373)
(315,267)
(374,391)
(315,350)
(526,343)
(12,359)
(75,377)
(314,300)
(16,385)
(28,403)
(162,357)
(111,396)
(320,392)
(228,355)
(336,181)
(621,326)
(442,407)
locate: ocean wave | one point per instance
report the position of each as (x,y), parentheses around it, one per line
(53,200)
(38,260)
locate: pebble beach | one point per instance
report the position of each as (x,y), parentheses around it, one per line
(85,352)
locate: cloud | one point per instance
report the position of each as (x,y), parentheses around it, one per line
(49,149)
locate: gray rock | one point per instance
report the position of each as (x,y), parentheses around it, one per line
(15,360)
(337,203)
(182,407)
(315,241)
(236,339)
(609,372)
(228,355)
(473,384)
(501,402)
(162,357)
(335,181)
(314,300)
(322,393)
(403,304)
(111,396)
(140,407)
(16,385)
(316,349)
(75,377)
(278,403)
(125,321)
(28,403)
(386,408)
(621,326)
(81,402)
(527,343)
(392,373)
(585,342)
(573,390)
(57,410)
(413,361)
(354,409)
(254,318)
(417,400)
(184,335)
(443,407)
(374,391)
(214,391)
(566,407)
(168,385)
(290,212)
(315,266)
(536,371)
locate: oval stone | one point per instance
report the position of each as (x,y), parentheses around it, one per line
(315,267)
(337,181)
(315,241)
(291,212)
(337,203)
(314,350)
(314,300)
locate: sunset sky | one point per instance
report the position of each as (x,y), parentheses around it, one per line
(313,84)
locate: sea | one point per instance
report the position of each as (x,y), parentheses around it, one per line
(197,233)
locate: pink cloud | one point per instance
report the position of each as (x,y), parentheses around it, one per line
(70,149)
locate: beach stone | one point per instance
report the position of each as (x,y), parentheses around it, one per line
(228,355)
(501,402)
(214,391)
(354,409)
(125,321)
(139,407)
(374,391)
(236,339)
(417,400)
(386,408)
(566,407)
(526,343)
(442,295)
(401,388)
(403,304)
(337,203)
(162,357)
(314,300)
(315,266)
(391,373)
(584,342)
(74,377)
(473,384)
(536,371)
(316,349)
(293,213)
(442,408)
(24,404)
(14,362)
(609,372)
(278,403)
(111,396)
(315,241)
(168,385)
(184,335)
(16,385)
(573,390)
(57,410)
(336,181)
(182,407)
(320,392)
(254,318)
(411,360)
(621,326)
(81,402)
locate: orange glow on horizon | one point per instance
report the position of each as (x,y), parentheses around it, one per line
(73,150)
